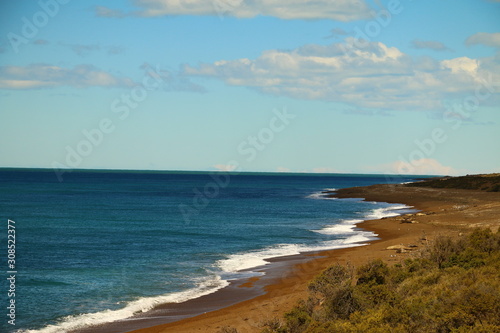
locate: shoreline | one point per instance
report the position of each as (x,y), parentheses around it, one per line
(239,290)
(246,303)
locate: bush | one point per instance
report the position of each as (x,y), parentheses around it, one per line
(442,249)
(484,240)
(272,325)
(297,320)
(327,282)
(453,288)
(374,272)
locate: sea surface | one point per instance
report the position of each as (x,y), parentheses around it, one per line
(101,245)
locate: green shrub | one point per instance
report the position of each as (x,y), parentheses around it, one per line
(272,325)
(327,282)
(374,272)
(342,303)
(442,249)
(227,329)
(467,258)
(484,240)
(297,320)
(455,287)
(418,265)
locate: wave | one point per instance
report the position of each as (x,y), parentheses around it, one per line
(206,286)
(345,227)
(323,194)
(349,236)
(243,261)
(234,264)
(393,210)
(348,227)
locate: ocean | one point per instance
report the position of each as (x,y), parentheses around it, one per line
(102,245)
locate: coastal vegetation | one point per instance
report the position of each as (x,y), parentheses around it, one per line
(486,182)
(452,285)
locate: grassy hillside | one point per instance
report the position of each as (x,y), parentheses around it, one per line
(453,287)
(489,182)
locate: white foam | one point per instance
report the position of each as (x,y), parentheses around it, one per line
(247,260)
(350,237)
(347,228)
(356,239)
(207,286)
(360,237)
(322,195)
(386,212)
(244,261)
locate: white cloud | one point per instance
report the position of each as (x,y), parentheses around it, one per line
(37,76)
(225,167)
(44,76)
(283,169)
(462,64)
(429,44)
(325,170)
(84,50)
(374,76)
(424,166)
(336,32)
(340,10)
(484,38)
(102,11)
(41,42)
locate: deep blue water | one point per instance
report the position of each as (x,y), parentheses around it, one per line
(122,240)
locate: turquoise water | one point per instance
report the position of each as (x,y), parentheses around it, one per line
(100,246)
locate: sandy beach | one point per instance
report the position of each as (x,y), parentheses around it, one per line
(442,212)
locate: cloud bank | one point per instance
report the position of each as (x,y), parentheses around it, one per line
(339,10)
(375,76)
(424,166)
(429,44)
(47,76)
(484,38)
(102,11)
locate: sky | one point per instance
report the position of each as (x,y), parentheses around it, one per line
(317,86)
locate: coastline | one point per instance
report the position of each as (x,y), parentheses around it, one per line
(245,304)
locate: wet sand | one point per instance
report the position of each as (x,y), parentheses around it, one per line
(246,304)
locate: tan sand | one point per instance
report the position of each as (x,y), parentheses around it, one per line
(444,211)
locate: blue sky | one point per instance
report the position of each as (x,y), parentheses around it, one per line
(268,85)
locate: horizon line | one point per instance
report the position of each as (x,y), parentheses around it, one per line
(47,169)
